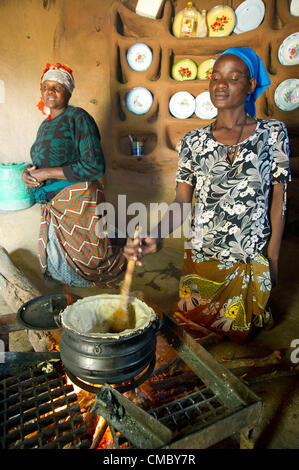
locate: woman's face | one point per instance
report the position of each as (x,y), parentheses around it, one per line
(55,95)
(230,82)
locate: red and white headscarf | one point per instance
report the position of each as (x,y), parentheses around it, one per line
(60,73)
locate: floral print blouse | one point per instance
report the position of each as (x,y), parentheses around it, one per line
(231,220)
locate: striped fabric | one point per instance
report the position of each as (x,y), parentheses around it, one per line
(73,215)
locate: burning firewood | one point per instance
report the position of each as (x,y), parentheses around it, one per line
(171,367)
(16,289)
(139,398)
(172,378)
(99,433)
(173,382)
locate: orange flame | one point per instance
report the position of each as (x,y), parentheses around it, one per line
(67,294)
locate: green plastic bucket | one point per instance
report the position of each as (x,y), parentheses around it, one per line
(14,194)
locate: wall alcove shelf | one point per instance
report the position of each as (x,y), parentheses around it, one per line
(163,132)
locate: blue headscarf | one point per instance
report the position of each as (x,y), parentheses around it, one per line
(257,70)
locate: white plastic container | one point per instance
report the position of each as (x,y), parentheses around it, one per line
(149,8)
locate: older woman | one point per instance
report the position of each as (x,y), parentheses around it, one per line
(68,161)
(237,169)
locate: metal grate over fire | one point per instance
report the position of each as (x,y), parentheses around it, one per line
(190,401)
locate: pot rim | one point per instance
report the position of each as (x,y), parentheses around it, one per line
(129,333)
(112,336)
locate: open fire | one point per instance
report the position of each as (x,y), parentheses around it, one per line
(97,427)
(53,400)
(172,380)
(188,401)
(41,409)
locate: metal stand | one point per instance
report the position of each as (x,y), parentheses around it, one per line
(124,387)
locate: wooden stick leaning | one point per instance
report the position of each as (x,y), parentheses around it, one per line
(273,358)
(124,317)
(16,289)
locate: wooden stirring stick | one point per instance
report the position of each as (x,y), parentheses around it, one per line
(124,317)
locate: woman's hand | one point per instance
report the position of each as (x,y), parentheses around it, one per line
(41,174)
(172,219)
(139,247)
(28,177)
(33,177)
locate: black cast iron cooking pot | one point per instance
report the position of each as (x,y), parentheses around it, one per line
(95,360)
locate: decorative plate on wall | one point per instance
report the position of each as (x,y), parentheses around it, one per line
(294,7)
(139,100)
(221,21)
(204,108)
(288,53)
(205,69)
(286,95)
(249,15)
(184,69)
(139,57)
(182,105)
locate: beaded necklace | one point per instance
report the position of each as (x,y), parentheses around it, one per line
(232,150)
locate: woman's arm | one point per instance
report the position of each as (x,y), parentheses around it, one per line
(172,219)
(33,177)
(89,163)
(43,174)
(277,220)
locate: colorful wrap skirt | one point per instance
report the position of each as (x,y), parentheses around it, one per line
(69,247)
(224,297)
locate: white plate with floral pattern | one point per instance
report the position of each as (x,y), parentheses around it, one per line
(249,15)
(139,100)
(286,95)
(139,57)
(294,7)
(182,105)
(204,108)
(288,53)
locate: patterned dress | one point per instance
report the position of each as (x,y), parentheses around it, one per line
(69,249)
(225,282)
(72,141)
